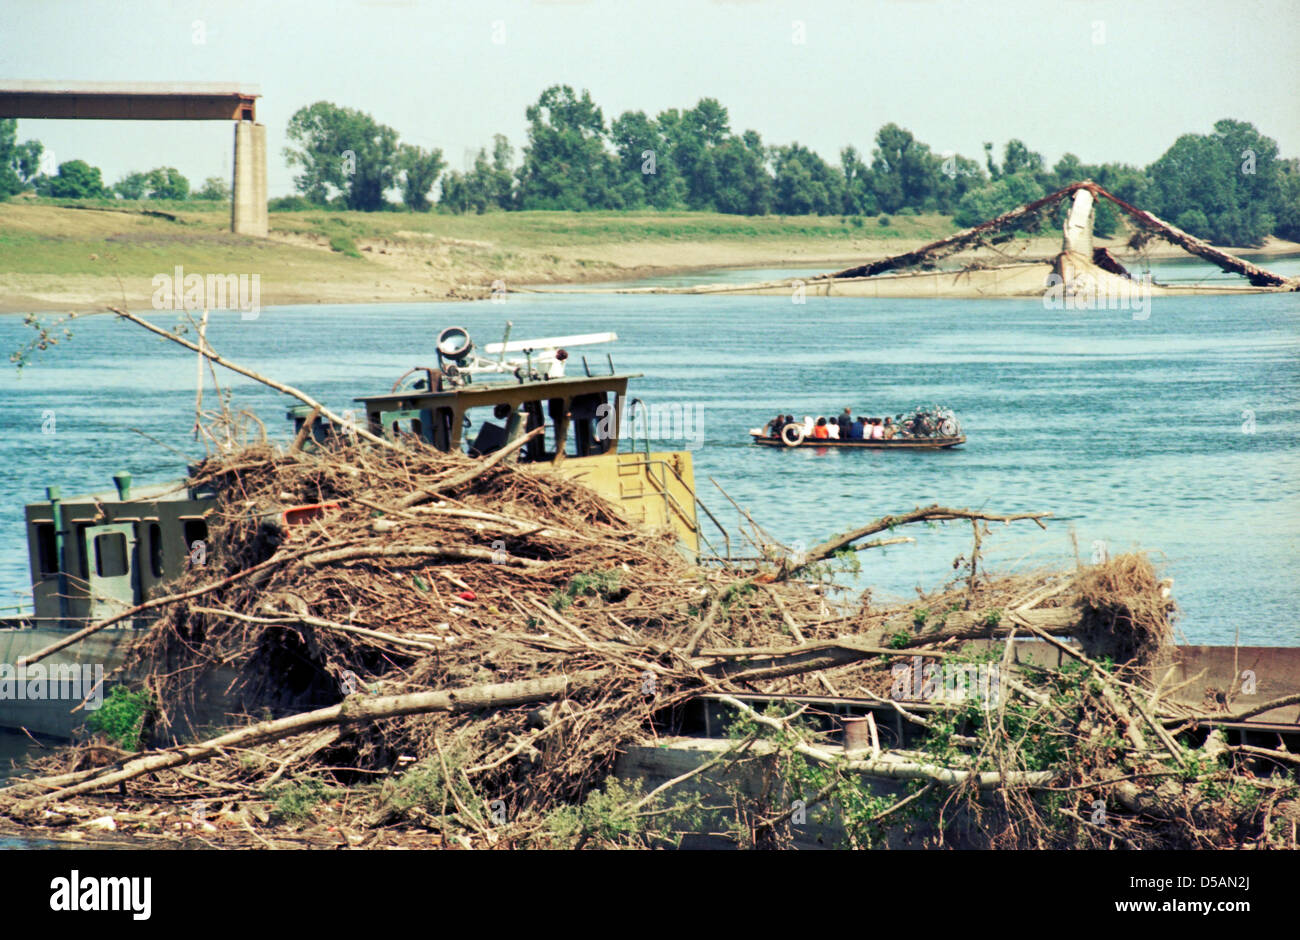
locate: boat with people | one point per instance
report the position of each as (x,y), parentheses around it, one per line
(928,428)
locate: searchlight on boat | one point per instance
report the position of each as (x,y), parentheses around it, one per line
(542,358)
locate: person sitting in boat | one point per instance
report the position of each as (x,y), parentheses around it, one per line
(890,429)
(855,429)
(877,430)
(808,424)
(773,427)
(819,430)
(832,429)
(845,421)
(491,437)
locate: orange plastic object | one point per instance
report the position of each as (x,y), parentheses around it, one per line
(301,515)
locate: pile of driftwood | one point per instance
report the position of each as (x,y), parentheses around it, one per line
(461,648)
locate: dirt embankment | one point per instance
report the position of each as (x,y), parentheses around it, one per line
(59,257)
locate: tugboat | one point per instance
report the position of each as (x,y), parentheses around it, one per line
(934,428)
(101,555)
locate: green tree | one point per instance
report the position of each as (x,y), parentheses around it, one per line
(345,151)
(693,138)
(76,179)
(19,163)
(132,186)
(1192,180)
(1287,211)
(1192,220)
(990,163)
(1018,158)
(904,171)
(27,161)
(419,169)
(645,159)
(999,196)
(744,186)
(859,192)
(958,175)
(565,163)
(166,182)
(215,188)
(457,195)
(489,184)
(1232,178)
(498,178)
(1070,169)
(805,184)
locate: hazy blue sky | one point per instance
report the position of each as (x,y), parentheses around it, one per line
(1105,80)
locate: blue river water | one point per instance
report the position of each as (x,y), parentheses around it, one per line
(1178,434)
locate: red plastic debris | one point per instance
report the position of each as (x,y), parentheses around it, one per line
(466,595)
(301,515)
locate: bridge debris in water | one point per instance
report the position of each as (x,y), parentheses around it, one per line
(1078,269)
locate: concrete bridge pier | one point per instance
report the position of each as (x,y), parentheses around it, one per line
(248,213)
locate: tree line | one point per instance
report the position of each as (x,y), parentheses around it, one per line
(25,167)
(1229,186)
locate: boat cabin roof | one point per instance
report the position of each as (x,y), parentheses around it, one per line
(169,491)
(491,393)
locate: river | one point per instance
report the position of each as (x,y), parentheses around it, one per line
(1177,434)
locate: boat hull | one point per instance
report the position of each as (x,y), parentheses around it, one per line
(56,710)
(58,715)
(917,443)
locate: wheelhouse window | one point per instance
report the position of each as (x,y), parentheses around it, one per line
(79,536)
(111,555)
(591,425)
(47,552)
(195,530)
(486,432)
(156,565)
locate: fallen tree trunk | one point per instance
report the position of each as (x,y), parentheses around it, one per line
(249,373)
(351,710)
(973,625)
(935,513)
(450,552)
(420,496)
(895,769)
(766,663)
(810,658)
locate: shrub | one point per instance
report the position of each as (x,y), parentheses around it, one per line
(295,802)
(290,204)
(121,718)
(344,245)
(587,584)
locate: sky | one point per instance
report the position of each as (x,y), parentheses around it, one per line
(1103,80)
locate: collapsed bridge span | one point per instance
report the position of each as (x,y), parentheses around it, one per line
(1079,268)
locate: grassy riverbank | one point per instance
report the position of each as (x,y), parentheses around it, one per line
(57,255)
